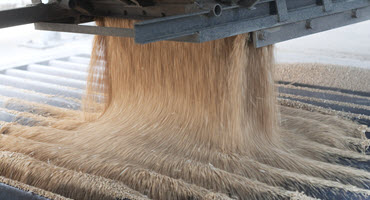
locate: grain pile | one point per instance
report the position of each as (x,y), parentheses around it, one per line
(349,78)
(187,121)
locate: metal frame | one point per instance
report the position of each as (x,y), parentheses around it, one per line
(248,3)
(32,14)
(290,31)
(269,21)
(85,29)
(205,28)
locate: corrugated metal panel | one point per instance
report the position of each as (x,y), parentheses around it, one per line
(60,82)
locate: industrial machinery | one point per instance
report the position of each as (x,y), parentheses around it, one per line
(269,21)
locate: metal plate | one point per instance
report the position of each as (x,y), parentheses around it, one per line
(11,193)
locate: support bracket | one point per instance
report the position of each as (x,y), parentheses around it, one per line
(328,5)
(282,10)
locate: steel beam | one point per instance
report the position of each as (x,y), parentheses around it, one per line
(307,27)
(302,18)
(85,29)
(233,21)
(282,10)
(31,14)
(248,3)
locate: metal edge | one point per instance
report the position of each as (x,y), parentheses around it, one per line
(220,27)
(294,30)
(12,193)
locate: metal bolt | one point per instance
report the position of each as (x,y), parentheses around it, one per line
(354,13)
(261,35)
(309,24)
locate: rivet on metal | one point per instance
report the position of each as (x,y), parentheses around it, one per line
(354,13)
(261,35)
(309,24)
